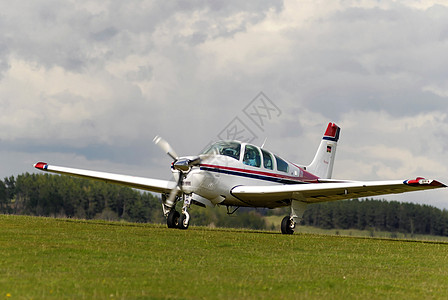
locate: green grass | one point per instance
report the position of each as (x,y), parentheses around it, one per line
(275,221)
(44,258)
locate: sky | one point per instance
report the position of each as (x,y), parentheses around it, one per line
(89,84)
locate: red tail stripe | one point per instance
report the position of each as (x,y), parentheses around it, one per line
(331,130)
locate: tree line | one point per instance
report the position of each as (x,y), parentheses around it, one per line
(64,196)
(379,215)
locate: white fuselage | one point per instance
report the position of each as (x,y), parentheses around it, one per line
(218,174)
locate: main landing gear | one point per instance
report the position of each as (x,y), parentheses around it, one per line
(289,222)
(174,219)
(288,225)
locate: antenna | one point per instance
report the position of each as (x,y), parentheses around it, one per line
(264,142)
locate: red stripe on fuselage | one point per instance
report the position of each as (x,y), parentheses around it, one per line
(308,178)
(307,175)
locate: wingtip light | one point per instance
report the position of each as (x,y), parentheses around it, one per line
(41,166)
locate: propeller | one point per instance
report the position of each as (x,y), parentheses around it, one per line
(182,164)
(170,200)
(165,147)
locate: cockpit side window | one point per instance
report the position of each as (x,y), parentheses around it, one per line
(267,160)
(281,164)
(231,149)
(252,156)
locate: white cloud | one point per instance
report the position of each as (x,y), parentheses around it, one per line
(380,146)
(440,90)
(101,79)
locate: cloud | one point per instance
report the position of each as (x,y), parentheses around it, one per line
(381,146)
(99,80)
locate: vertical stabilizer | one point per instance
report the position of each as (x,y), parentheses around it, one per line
(322,165)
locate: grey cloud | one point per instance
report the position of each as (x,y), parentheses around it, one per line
(4,59)
(105,34)
(369,59)
(143,73)
(185,69)
(57,34)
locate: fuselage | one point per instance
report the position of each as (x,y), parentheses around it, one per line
(227,164)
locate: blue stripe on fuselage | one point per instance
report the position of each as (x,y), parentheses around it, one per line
(250,175)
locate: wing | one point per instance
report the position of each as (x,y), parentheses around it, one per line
(148,184)
(274,196)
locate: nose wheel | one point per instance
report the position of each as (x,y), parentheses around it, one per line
(177,220)
(174,219)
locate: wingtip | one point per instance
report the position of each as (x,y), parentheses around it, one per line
(440,184)
(423,181)
(41,165)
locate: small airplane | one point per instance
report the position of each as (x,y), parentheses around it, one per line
(238,174)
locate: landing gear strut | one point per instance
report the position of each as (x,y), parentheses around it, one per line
(174,219)
(184,220)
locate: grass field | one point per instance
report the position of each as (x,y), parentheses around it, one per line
(43,258)
(275,221)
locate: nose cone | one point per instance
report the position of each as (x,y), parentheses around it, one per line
(182,165)
(185,163)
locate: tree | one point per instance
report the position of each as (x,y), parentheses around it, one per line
(3,196)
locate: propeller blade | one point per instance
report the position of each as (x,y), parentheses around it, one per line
(195,161)
(182,164)
(165,147)
(170,200)
(174,191)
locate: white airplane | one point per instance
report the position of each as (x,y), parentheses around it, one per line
(238,174)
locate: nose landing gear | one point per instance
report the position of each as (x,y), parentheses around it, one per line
(174,219)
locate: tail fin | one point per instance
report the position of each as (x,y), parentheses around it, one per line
(322,164)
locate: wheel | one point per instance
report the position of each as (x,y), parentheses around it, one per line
(286,226)
(173,219)
(182,224)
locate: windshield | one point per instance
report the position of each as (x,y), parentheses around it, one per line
(231,149)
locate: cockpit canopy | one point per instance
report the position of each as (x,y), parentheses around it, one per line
(253,156)
(232,149)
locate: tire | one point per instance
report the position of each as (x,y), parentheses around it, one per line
(286,226)
(173,219)
(181,224)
